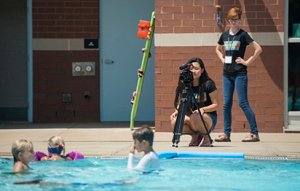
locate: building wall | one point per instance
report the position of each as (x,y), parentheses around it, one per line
(186,19)
(59,30)
(66,23)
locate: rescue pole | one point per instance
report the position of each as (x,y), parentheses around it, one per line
(145,31)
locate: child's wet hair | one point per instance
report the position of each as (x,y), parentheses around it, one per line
(144,133)
(20,146)
(56,142)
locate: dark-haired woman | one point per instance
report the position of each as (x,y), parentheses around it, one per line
(205,93)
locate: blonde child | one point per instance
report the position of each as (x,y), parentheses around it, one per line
(142,142)
(56,148)
(22,151)
(56,151)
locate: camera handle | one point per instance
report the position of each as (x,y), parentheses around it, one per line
(184,101)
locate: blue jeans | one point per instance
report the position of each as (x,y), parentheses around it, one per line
(240,82)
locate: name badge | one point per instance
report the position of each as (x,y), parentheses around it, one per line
(228,59)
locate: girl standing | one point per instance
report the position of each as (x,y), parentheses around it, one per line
(231,50)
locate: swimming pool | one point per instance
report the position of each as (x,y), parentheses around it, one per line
(177,174)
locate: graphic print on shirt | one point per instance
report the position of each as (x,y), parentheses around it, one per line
(197,97)
(232,45)
(200,100)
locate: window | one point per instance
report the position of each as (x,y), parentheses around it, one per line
(294,56)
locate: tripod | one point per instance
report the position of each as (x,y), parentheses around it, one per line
(186,97)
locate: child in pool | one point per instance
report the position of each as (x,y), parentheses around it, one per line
(22,151)
(142,142)
(56,146)
(56,151)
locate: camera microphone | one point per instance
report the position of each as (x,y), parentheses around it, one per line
(185,66)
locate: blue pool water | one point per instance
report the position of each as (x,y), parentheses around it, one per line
(177,174)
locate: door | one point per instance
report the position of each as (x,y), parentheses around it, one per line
(13,54)
(120,59)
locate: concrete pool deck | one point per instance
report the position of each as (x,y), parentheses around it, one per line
(100,140)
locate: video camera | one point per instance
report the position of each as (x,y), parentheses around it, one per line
(186,97)
(186,76)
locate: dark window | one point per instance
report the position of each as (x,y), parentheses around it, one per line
(294,56)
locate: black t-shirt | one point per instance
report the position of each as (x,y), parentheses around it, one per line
(202,97)
(235,46)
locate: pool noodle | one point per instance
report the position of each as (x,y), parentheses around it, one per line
(173,154)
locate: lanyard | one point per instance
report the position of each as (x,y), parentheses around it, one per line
(230,43)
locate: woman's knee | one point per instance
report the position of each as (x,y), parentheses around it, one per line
(227,104)
(173,121)
(244,104)
(187,121)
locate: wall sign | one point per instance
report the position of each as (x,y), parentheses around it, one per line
(90,43)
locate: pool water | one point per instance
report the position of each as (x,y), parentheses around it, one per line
(176,174)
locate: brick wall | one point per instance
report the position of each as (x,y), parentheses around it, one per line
(198,16)
(60,20)
(265,88)
(53,77)
(65,18)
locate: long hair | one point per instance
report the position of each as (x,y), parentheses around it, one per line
(204,76)
(202,80)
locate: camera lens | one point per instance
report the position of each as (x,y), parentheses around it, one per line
(186,76)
